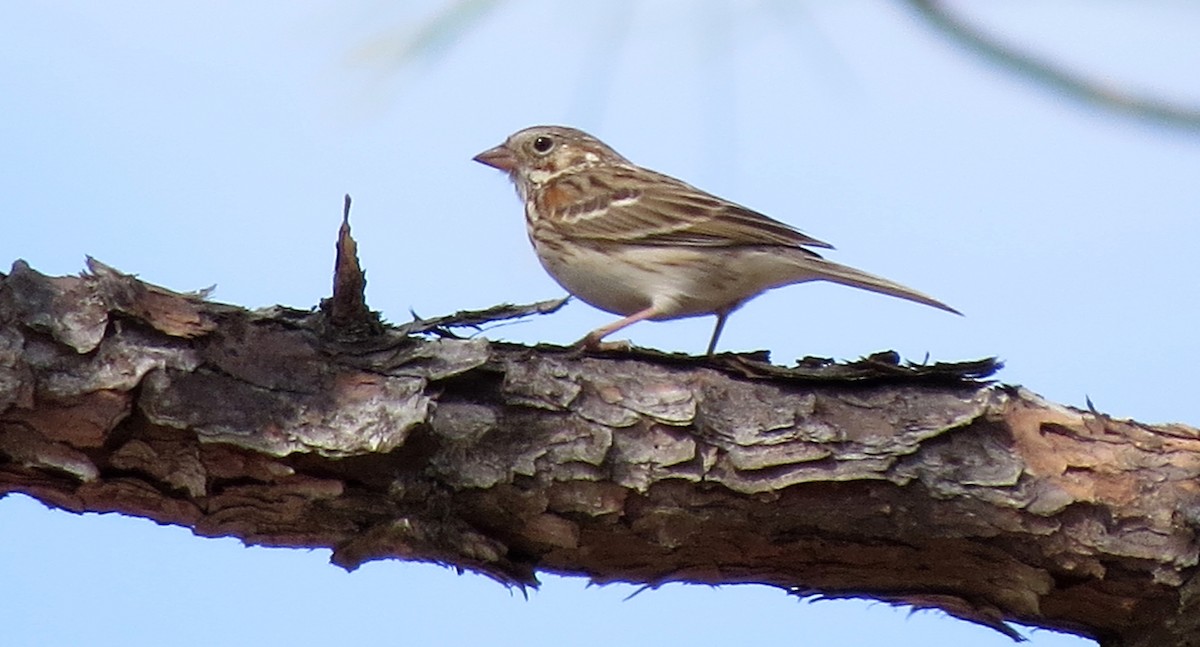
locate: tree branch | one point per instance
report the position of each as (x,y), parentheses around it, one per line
(930,490)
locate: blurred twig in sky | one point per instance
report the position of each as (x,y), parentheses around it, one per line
(1066,82)
(440,32)
(452,22)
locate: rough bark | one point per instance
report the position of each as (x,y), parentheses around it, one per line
(907,486)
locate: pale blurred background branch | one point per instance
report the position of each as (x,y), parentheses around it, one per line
(456,18)
(431,38)
(1066,82)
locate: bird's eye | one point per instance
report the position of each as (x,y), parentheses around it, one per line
(543,144)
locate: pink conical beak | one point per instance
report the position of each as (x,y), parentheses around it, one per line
(499,157)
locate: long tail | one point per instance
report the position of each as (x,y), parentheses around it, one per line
(845,275)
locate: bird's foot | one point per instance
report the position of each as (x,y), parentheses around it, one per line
(593,344)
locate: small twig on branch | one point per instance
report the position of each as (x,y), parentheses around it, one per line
(442,325)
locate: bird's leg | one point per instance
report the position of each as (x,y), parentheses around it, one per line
(592,339)
(722,315)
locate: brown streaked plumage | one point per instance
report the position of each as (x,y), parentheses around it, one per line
(645,245)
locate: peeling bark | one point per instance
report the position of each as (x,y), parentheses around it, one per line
(910,487)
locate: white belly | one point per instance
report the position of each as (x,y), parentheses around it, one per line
(682,282)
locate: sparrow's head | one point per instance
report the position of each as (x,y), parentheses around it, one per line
(538,154)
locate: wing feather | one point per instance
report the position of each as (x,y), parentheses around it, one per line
(641,207)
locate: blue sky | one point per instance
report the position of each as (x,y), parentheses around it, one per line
(211,143)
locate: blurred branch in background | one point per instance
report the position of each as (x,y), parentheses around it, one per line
(1068,83)
(451,24)
(433,37)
